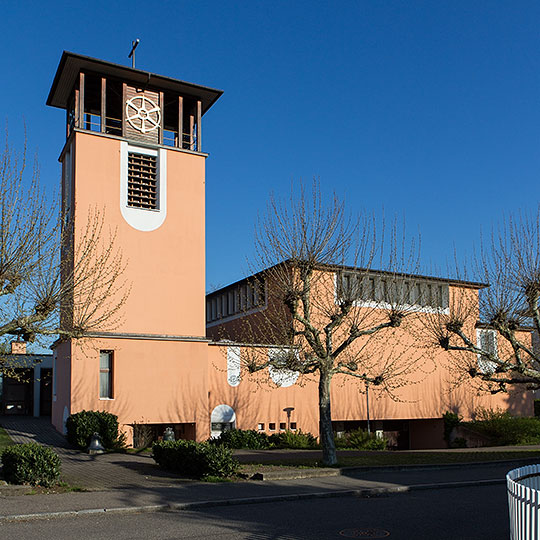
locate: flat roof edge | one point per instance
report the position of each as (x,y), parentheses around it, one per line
(135,75)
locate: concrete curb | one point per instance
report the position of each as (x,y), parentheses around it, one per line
(360,493)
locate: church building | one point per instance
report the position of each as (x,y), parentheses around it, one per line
(134,153)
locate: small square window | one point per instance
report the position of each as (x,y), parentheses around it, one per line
(272,426)
(260,427)
(282,426)
(293,426)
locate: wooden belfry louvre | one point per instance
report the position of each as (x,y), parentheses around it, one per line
(142,181)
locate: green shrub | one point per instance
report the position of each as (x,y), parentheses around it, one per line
(459,442)
(451,421)
(341,442)
(31,464)
(504,429)
(293,439)
(242,438)
(537,407)
(362,440)
(82,425)
(193,459)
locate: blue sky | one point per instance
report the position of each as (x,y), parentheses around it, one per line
(429,110)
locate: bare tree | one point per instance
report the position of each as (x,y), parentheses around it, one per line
(496,347)
(328,312)
(55,280)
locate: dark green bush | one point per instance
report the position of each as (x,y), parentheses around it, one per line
(31,464)
(293,439)
(242,438)
(504,429)
(196,460)
(451,421)
(361,440)
(459,442)
(341,442)
(82,425)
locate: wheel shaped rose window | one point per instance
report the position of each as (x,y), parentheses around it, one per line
(143,114)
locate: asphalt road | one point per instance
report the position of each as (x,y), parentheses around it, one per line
(456,514)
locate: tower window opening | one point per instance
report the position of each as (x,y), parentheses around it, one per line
(92,103)
(142,181)
(170,119)
(113,119)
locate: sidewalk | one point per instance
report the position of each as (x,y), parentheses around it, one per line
(189,495)
(126,482)
(102,472)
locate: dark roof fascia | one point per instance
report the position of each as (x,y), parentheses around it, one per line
(13,356)
(228,343)
(234,284)
(487,326)
(208,95)
(338,267)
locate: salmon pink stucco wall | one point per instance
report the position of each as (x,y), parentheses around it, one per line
(425,390)
(154,382)
(160,354)
(165,266)
(256,399)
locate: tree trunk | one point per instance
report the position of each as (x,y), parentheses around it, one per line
(326,434)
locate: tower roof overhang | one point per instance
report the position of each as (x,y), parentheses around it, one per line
(72,64)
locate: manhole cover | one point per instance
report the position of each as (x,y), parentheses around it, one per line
(364,533)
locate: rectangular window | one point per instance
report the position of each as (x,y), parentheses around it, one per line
(106,374)
(282,426)
(293,426)
(260,427)
(486,340)
(142,181)
(272,426)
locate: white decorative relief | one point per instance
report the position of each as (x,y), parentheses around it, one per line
(143,114)
(233,366)
(282,377)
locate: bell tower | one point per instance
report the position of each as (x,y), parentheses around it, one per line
(134,153)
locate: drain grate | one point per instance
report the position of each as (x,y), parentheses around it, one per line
(364,533)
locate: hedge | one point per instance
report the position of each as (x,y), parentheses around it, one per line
(504,429)
(82,425)
(195,460)
(293,439)
(258,440)
(361,440)
(31,464)
(243,438)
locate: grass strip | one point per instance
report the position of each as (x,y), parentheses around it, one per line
(374,459)
(5,439)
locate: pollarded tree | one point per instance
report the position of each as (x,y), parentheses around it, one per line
(500,351)
(329,313)
(51,285)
